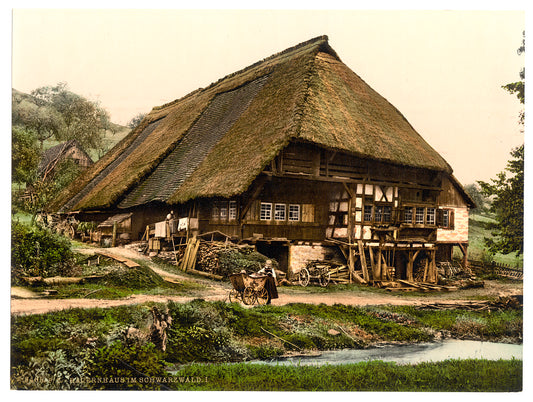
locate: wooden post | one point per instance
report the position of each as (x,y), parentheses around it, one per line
(350,238)
(351,268)
(464,250)
(426,267)
(372,264)
(409,273)
(113,242)
(385,269)
(379,273)
(433,265)
(362,256)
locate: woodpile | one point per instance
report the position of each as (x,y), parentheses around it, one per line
(212,259)
(502,303)
(339,274)
(401,285)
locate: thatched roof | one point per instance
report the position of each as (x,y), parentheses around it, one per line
(216,141)
(55,154)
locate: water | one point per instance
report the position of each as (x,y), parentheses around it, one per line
(411,354)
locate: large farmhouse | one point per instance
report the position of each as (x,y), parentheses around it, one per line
(295,154)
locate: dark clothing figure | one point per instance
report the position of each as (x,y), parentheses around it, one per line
(270,283)
(271,288)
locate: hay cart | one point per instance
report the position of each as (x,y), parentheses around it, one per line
(250,289)
(314,271)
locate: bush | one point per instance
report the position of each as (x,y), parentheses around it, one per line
(120,367)
(37,251)
(53,371)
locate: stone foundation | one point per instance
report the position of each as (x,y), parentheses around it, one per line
(301,254)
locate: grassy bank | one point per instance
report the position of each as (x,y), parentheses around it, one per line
(83,344)
(477,250)
(449,375)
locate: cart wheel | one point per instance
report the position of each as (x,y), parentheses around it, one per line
(261,296)
(324,279)
(303,277)
(233,296)
(248,296)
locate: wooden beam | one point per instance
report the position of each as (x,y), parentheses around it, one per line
(373,265)
(362,257)
(409,273)
(348,190)
(259,187)
(385,268)
(378,268)
(351,263)
(355,180)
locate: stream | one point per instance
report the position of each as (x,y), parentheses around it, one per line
(409,354)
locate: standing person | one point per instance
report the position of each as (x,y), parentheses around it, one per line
(270,283)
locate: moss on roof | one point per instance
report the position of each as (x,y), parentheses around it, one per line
(310,94)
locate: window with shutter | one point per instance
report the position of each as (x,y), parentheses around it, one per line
(308,213)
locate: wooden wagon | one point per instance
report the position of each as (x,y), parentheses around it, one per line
(250,289)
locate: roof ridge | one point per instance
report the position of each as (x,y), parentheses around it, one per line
(319,40)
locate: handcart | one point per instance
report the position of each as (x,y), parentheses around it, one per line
(250,289)
(314,270)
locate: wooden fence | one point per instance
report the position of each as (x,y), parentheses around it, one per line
(497,269)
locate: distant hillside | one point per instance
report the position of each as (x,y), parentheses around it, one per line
(112,136)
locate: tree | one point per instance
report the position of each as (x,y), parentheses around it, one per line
(44,120)
(24,155)
(477,196)
(507,191)
(135,121)
(85,121)
(508,206)
(518,88)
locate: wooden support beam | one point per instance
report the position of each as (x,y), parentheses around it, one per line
(385,269)
(426,267)
(409,273)
(362,256)
(464,250)
(433,265)
(349,191)
(375,276)
(259,187)
(351,263)
(379,273)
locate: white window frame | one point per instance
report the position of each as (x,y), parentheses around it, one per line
(266,207)
(294,209)
(368,212)
(215,212)
(446,218)
(232,210)
(281,213)
(431,216)
(417,215)
(387,213)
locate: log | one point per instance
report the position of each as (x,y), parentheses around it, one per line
(206,274)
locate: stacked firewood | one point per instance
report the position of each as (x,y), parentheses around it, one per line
(223,258)
(208,258)
(339,274)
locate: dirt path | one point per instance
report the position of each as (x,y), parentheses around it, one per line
(22,302)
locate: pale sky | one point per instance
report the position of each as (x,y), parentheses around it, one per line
(443,70)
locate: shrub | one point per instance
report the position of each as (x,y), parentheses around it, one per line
(120,367)
(37,251)
(53,371)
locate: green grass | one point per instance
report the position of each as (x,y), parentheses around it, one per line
(446,376)
(485,325)
(218,332)
(477,231)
